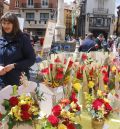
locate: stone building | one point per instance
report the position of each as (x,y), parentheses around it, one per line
(68,18)
(36,13)
(100,16)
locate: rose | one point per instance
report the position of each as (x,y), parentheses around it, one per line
(57,60)
(59,70)
(108,107)
(73,97)
(59,76)
(70,64)
(25,107)
(53,120)
(45,71)
(13,101)
(56,110)
(78,108)
(79,75)
(1,115)
(71,126)
(97,103)
(106,79)
(25,115)
(84,57)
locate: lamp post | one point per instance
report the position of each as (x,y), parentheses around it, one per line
(118,21)
(60,26)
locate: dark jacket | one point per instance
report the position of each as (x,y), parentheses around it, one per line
(17,51)
(87,44)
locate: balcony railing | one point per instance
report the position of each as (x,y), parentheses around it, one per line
(100,11)
(36,5)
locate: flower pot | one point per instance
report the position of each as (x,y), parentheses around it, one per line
(51,97)
(97,124)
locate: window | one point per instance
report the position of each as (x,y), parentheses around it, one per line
(30,16)
(30,2)
(16,3)
(99,21)
(44,3)
(44,16)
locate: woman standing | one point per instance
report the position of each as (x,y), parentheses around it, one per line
(16,52)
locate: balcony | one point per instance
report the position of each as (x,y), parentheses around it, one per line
(100,11)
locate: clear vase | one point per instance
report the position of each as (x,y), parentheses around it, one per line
(97,124)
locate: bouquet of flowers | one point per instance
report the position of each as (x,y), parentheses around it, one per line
(65,115)
(21,109)
(99,107)
(57,72)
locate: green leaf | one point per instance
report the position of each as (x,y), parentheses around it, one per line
(6,104)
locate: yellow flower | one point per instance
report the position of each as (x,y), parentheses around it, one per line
(62,126)
(91,84)
(113,69)
(16,112)
(106,87)
(99,93)
(73,105)
(77,86)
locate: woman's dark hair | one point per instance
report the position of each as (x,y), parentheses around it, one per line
(12,18)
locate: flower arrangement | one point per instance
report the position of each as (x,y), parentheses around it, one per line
(21,110)
(57,72)
(64,115)
(99,107)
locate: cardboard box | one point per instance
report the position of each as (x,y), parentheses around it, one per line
(51,96)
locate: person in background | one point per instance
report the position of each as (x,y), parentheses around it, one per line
(16,51)
(99,40)
(88,44)
(118,45)
(110,43)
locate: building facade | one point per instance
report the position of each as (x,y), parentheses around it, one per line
(36,13)
(1,7)
(100,16)
(6,7)
(68,19)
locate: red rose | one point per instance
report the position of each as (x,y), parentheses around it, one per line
(78,108)
(53,120)
(84,57)
(25,107)
(45,71)
(57,60)
(73,97)
(105,79)
(13,101)
(51,66)
(25,115)
(91,73)
(97,103)
(71,126)
(59,76)
(70,64)
(59,70)
(56,110)
(1,115)
(108,107)
(79,75)
(65,61)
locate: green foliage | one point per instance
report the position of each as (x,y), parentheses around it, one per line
(47,125)
(6,104)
